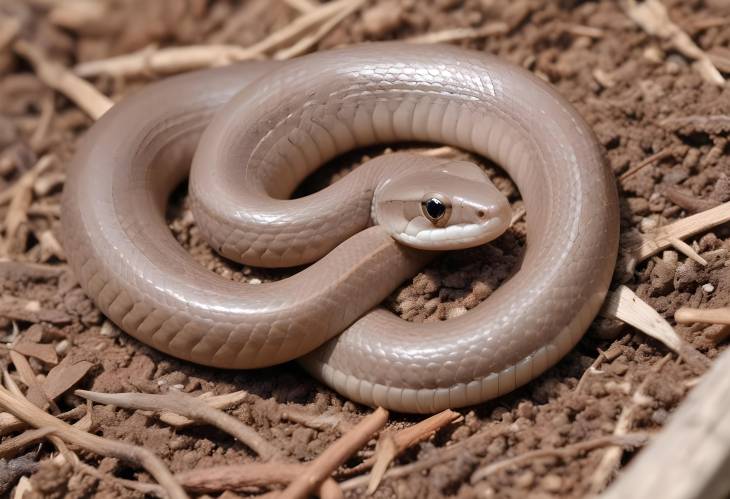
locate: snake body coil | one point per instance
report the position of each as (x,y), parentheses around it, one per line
(276,123)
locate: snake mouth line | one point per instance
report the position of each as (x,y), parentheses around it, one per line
(458,235)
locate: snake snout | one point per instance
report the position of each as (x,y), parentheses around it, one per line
(447,206)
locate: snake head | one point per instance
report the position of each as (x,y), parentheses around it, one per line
(450,206)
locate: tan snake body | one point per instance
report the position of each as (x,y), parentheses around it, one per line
(276,123)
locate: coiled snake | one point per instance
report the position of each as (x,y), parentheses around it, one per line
(256,130)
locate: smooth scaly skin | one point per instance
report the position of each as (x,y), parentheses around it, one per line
(268,138)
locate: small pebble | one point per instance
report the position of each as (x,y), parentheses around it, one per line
(708,288)
(552,483)
(648,224)
(654,55)
(62,347)
(109,330)
(525,480)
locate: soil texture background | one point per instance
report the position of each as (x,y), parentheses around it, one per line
(644,99)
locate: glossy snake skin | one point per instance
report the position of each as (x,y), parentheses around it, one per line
(256,130)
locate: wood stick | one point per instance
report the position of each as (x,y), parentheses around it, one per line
(9,423)
(34,416)
(84,94)
(215,401)
(631,440)
(178,59)
(687,315)
(658,156)
(456,34)
(20,196)
(308,42)
(317,422)
(189,407)
(12,446)
(35,393)
(624,305)
(439,456)
(335,455)
(302,6)
(391,444)
(651,243)
(241,476)
(652,17)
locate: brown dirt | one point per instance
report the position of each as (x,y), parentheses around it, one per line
(641,86)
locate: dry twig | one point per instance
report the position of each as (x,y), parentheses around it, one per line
(9,423)
(672,234)
(624,305)
(687,201)
(34,416)
(317,422)
(336,454)
(307,42)
(189,407)
(456,34)
(12,446)
(653,18)
(720,56)
(35,394)
(658,156)
(178,59)
(440,456)
(85,95)
(219,402)
(302,6)
(24,486)
(49,246)
(20,196)
(391,444)
(631,440)
(242,476)
(687,315)
(48,110)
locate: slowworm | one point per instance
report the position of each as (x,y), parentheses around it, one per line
(248,134)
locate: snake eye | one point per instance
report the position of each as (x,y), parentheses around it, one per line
(435,209)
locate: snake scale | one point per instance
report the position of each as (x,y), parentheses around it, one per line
(254,130)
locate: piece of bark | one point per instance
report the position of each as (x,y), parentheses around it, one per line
(686,200)
(41,351)
(35,392)
(63,377)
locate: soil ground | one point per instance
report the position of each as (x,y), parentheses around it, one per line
(631,87)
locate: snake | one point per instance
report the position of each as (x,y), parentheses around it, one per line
(246,135)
